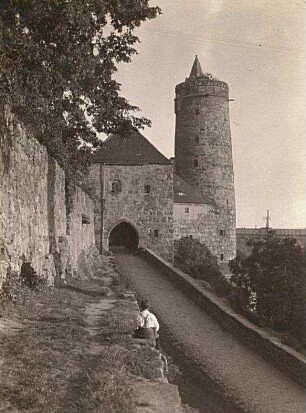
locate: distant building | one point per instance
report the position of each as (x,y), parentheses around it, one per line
(144,199)
(248,234)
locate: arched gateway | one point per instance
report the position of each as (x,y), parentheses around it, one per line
(123,235)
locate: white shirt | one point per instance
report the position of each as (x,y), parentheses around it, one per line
(151,320)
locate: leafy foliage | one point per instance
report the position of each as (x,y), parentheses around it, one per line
(194,258)
(57,63)
(271,282)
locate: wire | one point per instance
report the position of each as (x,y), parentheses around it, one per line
(231,42)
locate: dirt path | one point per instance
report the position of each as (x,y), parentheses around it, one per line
(244,376)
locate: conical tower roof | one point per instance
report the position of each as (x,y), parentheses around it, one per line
(196,70)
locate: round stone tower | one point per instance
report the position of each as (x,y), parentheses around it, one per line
(203,149)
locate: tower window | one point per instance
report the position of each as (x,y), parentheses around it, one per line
(85,219)
(222,257)
(187,210)
(222,232)
(197,111)
(197,139)
(195,163)
(156,233)
(147,189)
(116,187)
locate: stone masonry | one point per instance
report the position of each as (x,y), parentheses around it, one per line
(33,218)
(203,150)
(151,214)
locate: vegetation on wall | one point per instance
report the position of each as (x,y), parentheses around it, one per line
(57,62)
(271,284)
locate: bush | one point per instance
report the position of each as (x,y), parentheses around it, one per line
(15,284)
(13,287)
(194,258)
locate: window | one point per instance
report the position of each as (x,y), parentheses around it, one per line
(116,187)
(222,257)
(222,232)
(197,111)
(156,233)
(197,139)
(187,210)
(195,163)
(147,189)
(85,219)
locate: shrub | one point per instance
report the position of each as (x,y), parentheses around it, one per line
(13,287)
(194,258)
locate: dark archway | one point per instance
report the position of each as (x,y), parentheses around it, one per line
(124,235)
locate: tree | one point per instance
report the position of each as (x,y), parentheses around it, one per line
(57,63)
(272,280)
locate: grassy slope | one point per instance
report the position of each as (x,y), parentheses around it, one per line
(55,365)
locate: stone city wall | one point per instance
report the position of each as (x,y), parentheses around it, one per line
(32,205)
(82,234)
(245,235)
(93,184)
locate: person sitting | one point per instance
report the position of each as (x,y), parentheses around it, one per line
(147,324)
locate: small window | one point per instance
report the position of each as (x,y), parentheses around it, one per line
(156,233)
(195,163)
(187,210)
(116,187)
(222,232)
(85,219)
(197,139)
(197,111)
(147,189)
(222,257)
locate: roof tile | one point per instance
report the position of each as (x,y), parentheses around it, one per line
(134,149)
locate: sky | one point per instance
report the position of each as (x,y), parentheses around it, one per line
(257,47)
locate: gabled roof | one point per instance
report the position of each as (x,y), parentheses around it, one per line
(185,193)
(134,149)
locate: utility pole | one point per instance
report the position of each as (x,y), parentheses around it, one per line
(267,219)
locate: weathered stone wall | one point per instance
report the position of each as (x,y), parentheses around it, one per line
(203,149)
(32,204)
(206,228)
(92,182)
(82,235)
(146,212)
